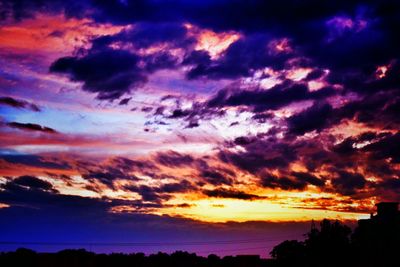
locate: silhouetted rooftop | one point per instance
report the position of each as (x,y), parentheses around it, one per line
(387,209)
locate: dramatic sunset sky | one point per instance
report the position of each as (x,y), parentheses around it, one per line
(178,123)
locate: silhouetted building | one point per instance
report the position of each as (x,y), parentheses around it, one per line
(387,210)
(377,239)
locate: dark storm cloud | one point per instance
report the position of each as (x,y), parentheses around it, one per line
(18,103)
(262,117)
(347,146)
(234,194)
(378,109)
(348,183)
(269,160)
(22,9)
(32,182)
(348,38)
(379,151)
(37,194)
(179,187)
(112,72)
(316,27)
(35,160)
(31,127)
(391,184)
(145,35)
(308,178)
(222,15)
(215,177)
(108,73)
(262,100)
(313,118)
(160,60)
(375,110)
(124,101)
(244,140)
(260,153)
(128,165)
(161,193)
(386,148)
(198,111)
(269,180)
(148,193)
(251,51)
(315,74)
(179,113)
(107,176)
(118,168)
(125,166)
(174,159)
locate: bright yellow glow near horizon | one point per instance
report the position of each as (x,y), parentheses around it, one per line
(280,206)
(223,210)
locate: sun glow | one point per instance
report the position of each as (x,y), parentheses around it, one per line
(223,210)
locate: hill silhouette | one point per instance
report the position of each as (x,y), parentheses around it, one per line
(373,243)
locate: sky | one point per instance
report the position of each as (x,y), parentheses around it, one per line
(210,126)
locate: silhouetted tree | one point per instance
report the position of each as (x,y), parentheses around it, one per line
(289,253)
(83,258)
(329,245)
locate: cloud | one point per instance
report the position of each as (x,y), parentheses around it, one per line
(174,159)
(18,103)
(164,192)
(108,73)
(348,134)
(107,176)
(386,148)
(124,101)
(35,193)
(35,161)
(215,177)
(146,34)
(272,99)
(285,183)
(180,187)
(225,193)
(309,178)
(250,51)
(313,118)
(260,153)
(348,183)
(32,182)
(31,127)
(112,72)
(127,165)
(148,193)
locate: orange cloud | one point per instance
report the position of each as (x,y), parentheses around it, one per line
(212,42)
(52,34)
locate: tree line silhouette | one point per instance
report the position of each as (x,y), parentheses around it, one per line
(375,242)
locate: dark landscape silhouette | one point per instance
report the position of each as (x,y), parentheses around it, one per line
(374,242)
